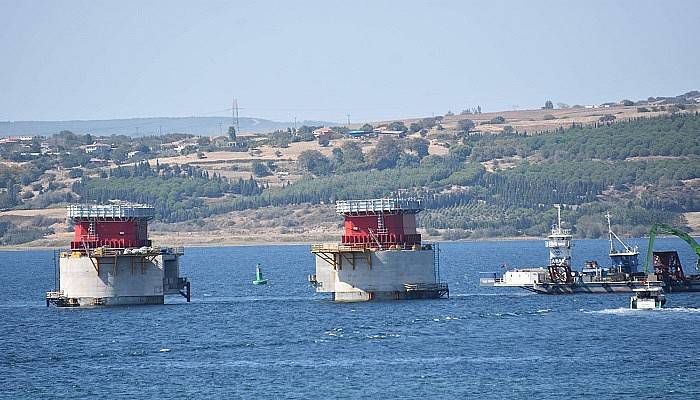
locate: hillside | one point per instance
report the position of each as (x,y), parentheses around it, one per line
(491,177)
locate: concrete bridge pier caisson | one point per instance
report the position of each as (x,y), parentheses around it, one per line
(111,261)
(380,256)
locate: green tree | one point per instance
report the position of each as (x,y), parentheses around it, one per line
(120,154)
(548,105)
(419,145)
(74,160)
(385,153)
(460,152)
(398,126)
(35,147)
(315,162)
(352,152)
(9,198)
(232,133)
(367,128)
(338,156)
(465,125)
(259,169)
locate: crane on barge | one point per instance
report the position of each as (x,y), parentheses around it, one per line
(663,228)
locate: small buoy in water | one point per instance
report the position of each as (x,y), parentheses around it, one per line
(259,280)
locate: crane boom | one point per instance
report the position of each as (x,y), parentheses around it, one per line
(663,228)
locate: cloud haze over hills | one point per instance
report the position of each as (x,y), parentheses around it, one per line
(147,126)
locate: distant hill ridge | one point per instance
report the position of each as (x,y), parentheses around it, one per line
(212,126)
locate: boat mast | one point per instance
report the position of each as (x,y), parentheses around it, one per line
(613,236)
(610,232)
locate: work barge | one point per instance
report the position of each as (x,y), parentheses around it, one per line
(111,260)
(662,269)
(380,255)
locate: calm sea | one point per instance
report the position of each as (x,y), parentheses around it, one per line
(236,340)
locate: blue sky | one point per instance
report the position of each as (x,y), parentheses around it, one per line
(374,60)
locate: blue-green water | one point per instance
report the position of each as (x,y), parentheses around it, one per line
(281,340)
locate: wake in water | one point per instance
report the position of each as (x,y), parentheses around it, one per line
(514,294)
(628,311)
(525,313)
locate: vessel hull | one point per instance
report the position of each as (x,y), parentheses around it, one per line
(611,287)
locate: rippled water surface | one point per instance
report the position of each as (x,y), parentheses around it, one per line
(283,340)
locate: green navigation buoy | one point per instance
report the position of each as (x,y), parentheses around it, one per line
(259,280)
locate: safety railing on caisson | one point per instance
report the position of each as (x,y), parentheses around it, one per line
(441,288)
(335,247)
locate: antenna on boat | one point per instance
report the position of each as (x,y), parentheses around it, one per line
(558,207)
(612,235)
(610,232)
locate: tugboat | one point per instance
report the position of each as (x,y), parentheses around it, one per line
(559,278)
(648,298)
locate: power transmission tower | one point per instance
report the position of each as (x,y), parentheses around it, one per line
(234,116)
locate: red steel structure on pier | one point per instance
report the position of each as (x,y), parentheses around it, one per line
(115,226)
(380,223)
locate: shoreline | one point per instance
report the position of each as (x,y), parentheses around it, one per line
(249,243)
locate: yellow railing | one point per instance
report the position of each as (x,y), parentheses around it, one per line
(331,247)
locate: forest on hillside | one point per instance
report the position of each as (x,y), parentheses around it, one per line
(643,170)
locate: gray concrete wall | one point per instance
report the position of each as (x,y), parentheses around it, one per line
(80,279)
(171,274)
(390,270)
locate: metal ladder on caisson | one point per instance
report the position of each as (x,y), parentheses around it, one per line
(381,228)
(56,270)
(436,261)
(442,288)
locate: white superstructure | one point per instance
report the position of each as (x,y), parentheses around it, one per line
(559,243)
(648,298)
